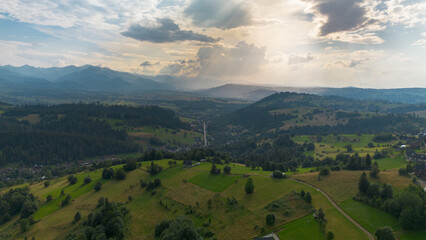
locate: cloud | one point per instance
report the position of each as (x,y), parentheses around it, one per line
(296,59)
(171,69)
(243,59)
(356,62)
(167,31)
(353,21)
(146,64)
(224,14)
(341,15)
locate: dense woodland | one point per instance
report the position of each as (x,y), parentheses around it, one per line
(73,131)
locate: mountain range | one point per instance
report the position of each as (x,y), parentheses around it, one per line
(99,79)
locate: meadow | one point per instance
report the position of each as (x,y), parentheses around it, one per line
(185,189)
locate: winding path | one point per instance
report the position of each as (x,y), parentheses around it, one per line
(370,236)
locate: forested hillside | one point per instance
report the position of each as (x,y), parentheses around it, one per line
(51,134)
(311,114)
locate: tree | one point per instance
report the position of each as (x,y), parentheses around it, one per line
(227,169)
(108,173)
(409,218)
(384,233)
(302,193)
(66,201)
(130,165)
(157,182)
(87,180)
(49,198)
(28,208)
(170,163)
(25,224)
(373,190)
(120,174)
(249,186)
(320,215)
(363,183)
(98,186)
(270,219)
(386,192)
(72,179)
(374,172)
(77,217)
(330,235)
(214,169)
(46,184)
(308,197)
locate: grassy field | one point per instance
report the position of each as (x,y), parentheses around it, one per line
(301,229)
(369,217)
(184,189)
(392,163)
(343,185)
(215,183)
(332,145)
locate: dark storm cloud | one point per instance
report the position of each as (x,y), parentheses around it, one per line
(342,15)
(224,14)
(167,31)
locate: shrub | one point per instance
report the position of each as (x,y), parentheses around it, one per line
(46,184)
(278,174)
(324,172)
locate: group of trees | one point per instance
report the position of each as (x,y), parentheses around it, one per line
(179,228)
(108,221)
(408,206)
(151,185)
(306,196)
(154,168)
(17,201)
(109,173)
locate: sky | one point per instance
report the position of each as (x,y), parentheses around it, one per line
(306,43)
